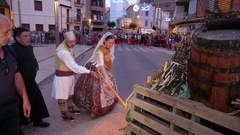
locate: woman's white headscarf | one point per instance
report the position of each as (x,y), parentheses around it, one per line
(101,42)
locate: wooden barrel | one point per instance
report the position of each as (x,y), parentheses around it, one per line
(214,68)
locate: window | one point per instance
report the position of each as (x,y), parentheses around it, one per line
(146,13)
(76,28)
(98,3)
(169,5)
(78,14)
(51,27)
(94,3)
(38,5)
(68,27)
(77,2)
(2,11)
(27,26)
(146,23)
(39,27)
(68,14)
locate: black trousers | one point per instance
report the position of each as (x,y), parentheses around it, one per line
(9,121)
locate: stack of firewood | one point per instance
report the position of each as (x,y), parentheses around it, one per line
(236,103)
(171,78)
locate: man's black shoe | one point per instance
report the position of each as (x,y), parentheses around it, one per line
(21,132)
(41,124)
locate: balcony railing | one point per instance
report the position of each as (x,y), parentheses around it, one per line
(77,19)
(73,19)
(98,17)
(69,20)
(79,2)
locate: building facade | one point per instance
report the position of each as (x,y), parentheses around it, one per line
(107,16)
(165,5)
(143,17)
(162,20)
(118,9)
(36,15)
(187,17)
(94,15)
(40,15)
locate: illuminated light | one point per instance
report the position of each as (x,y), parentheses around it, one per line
(138,16)
(118,1)
(89,21)
(168,19)
(136,8)
(147,8)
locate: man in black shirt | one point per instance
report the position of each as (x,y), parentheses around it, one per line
(28,67)
(11,83)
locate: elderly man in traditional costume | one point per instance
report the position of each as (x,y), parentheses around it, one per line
(66,67)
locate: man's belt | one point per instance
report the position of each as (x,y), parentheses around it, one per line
(64,73)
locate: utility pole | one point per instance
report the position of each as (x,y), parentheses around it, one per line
(56,4)
(158,10)
(19,14)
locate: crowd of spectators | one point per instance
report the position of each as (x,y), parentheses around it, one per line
(169,41)
(42,37)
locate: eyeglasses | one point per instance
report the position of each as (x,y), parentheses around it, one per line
(4,66)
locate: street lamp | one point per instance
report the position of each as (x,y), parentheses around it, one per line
(138,20)
(138,17)
(89,23)
(56,4)
(158,20)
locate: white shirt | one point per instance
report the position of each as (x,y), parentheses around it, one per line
(71,63)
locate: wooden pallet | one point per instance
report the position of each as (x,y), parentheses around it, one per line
(152,113)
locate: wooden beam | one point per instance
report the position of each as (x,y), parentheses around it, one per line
(193,107)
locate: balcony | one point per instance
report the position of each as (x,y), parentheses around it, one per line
(98,18)
(79,3)
(73,19)
(77,19)
(99,26)
(97,3)
(69,20)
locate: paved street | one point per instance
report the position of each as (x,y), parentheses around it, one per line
(111,124)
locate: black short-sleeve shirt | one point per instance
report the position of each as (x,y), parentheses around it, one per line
(8,94)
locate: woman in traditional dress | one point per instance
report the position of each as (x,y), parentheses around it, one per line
(91,93)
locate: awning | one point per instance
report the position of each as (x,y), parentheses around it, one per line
(3,3)
(182,29)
